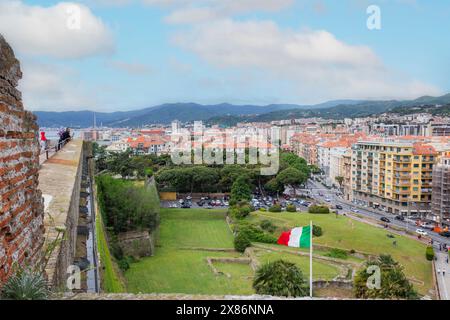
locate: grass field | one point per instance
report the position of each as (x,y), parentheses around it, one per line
(345,233)
(178,268)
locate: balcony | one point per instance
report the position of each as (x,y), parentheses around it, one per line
(402,169)
(402,192)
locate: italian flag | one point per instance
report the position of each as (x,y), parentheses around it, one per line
(297,238)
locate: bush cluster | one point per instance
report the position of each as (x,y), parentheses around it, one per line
(337,253)
(255,234)
(268,226)
(275,208)
(241,242)
(317,231)
(429,253)
(319,209)
(291,208)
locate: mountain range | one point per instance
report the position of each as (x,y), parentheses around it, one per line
(228,113)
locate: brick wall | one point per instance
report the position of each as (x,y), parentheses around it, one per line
(21,206)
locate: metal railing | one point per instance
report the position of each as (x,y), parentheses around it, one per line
(59,145)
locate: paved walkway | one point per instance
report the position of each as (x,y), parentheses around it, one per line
(443,280)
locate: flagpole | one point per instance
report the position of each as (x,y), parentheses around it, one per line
(310,260)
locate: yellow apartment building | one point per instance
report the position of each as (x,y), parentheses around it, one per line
(395,177)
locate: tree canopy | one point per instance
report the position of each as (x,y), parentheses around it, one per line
(280,278)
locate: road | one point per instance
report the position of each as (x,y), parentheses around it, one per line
(443,275)
(317,188)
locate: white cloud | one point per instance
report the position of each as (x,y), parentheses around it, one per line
(37,30)
(53,87)
(314,62)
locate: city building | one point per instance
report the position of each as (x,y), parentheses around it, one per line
(395,177)
(441,192)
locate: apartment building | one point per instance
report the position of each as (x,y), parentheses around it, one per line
(441,192)
(393,176)
(347,174)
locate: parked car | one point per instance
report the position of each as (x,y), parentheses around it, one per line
(384,219)
(421,232)
(445,234)
(401,218)
(328,200)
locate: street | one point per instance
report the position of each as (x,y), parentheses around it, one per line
(317,188)
(443,275)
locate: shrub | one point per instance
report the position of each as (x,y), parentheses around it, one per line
(280,278)
(429,253)
(123,264)
(291,208)
(275,208)
(263,209)
(25,285)
(241,242)
(240,210)
(337,253)
(352,251)
(319,209)
(267,225)
(394,283)
(255,234)
(149,172)
(317,231)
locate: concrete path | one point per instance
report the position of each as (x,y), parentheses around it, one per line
(443,280)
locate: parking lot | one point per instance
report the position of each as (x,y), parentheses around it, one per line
(202,202)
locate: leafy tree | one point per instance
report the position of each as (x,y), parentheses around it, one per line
(241,242)
(100,156)
(340,180)
(230,173)
(291,177)
(280,278)
(274,186)
(291,160)
(393,282)
(127,207)
(241,189)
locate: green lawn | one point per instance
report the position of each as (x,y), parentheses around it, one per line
(345,233)
(174,270)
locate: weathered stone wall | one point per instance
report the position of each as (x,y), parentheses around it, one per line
(60,182)
(137,244)
(21,205)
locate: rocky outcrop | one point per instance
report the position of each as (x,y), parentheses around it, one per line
(21,205)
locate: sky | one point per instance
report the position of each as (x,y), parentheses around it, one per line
(110,55)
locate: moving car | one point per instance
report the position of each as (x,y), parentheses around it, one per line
(384,219)
(445,234)
(421,232)
(401,218)
(339,207)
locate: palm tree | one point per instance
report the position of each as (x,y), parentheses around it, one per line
(280,278)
